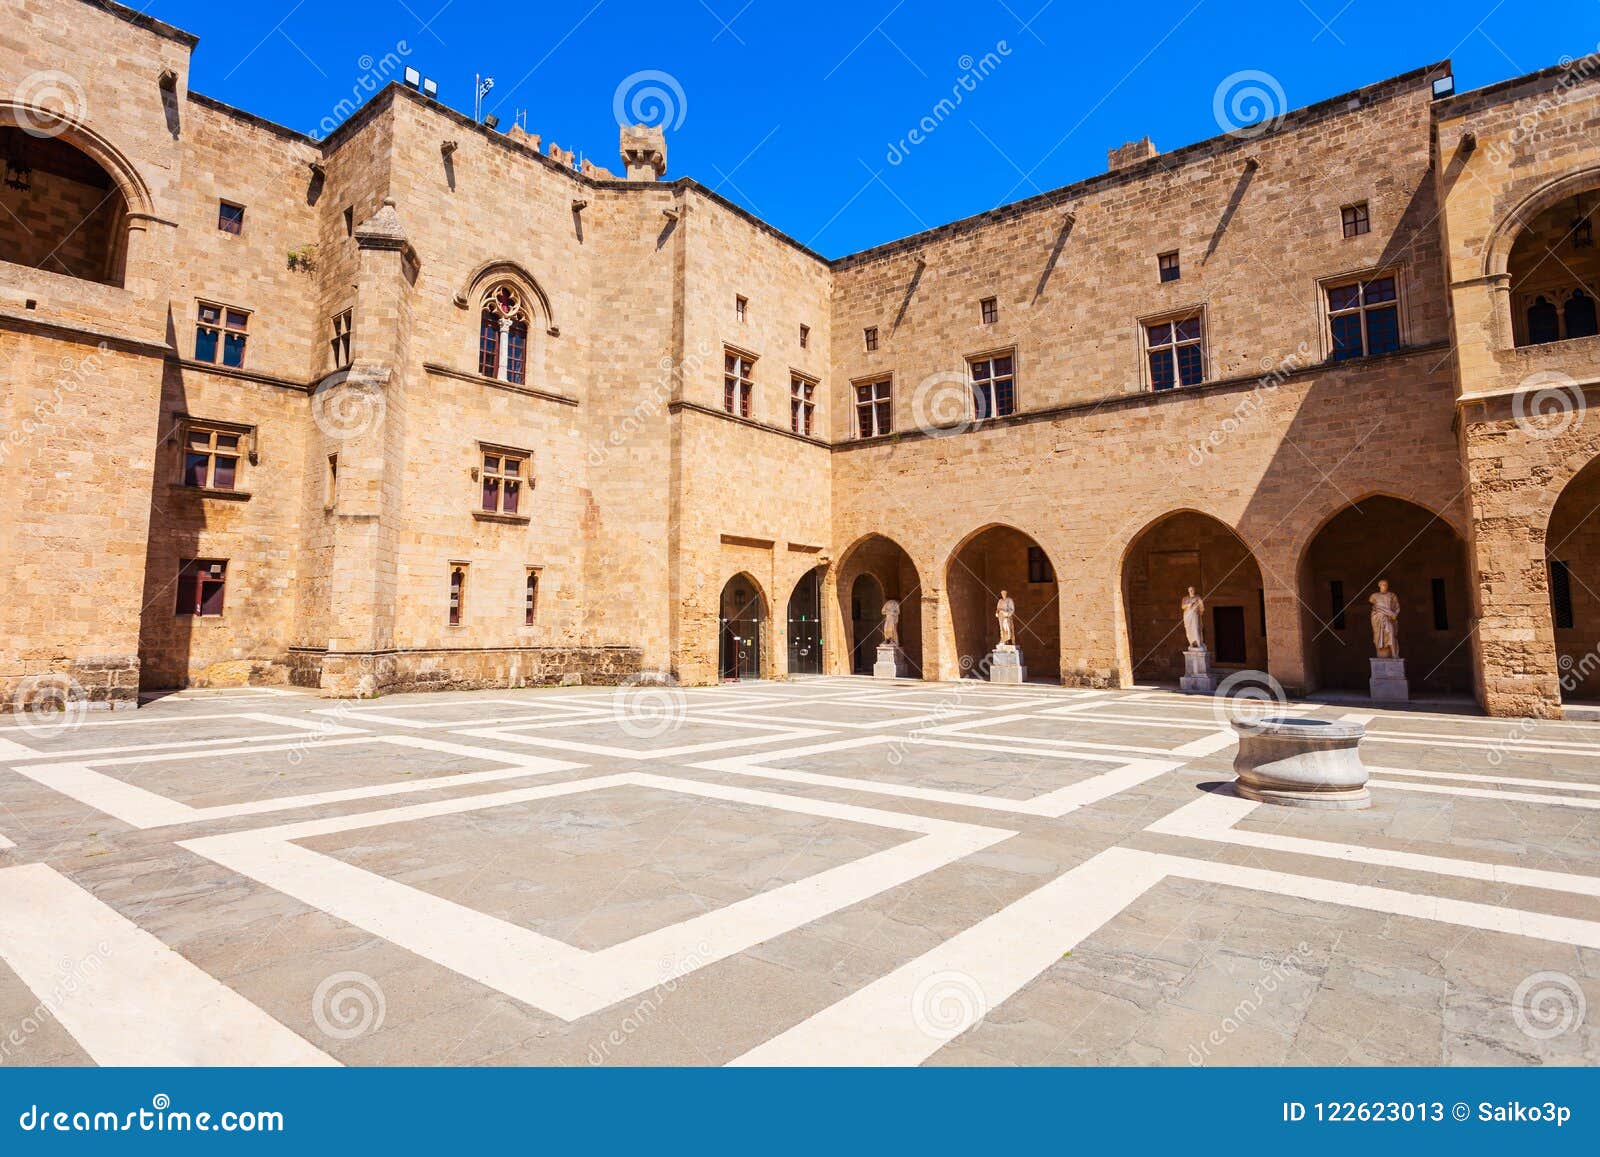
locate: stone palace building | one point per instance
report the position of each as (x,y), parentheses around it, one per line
(424,404)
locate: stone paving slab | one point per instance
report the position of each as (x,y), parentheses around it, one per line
(822,871)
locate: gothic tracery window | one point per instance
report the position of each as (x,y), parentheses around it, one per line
(503,336)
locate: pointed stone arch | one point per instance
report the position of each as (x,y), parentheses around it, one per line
(1000,557)
(891,573)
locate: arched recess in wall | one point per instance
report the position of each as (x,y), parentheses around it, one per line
(1572,569)
(1002,559)
(1425,562)
(873,569)
(1184,549)
(742,627)
(512,323)
(69,200)
(1544,257)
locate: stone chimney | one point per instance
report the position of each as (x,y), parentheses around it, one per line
(1130,154)
(644,152)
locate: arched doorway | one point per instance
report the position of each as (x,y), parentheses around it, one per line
(1554,272)
(75,212)
(1002,558)
(743,614)
(875,569)
(1182,550)
(1572,567)
(805,625)
(1424,561)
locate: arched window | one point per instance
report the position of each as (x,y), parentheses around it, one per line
(503,336)
(1543,324)
(1579,315)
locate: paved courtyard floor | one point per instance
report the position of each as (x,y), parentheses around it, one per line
(826,871)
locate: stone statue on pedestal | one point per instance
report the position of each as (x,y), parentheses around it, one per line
(1385,621)
(891,621)
(1193,607)
(1005,610)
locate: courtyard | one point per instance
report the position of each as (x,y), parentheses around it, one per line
(821,871)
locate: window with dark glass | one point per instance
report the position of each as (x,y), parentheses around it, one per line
(1039,570)
(211,457)
(1364,318)
(502,482)
(802,404)
(1167,265)
(503,336)
(230,217)
(1579,315)
(1355,219)
(805,337)
(220,334)
(1544,322)
(738,383)
(994,386)
(870,334)
(1336,604)
(989,310)
(1176,352)
(200,586)
(873,415)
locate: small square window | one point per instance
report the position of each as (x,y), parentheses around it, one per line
(1167,264)
(989,310)
(805,337)
(230,217)
(1355,219)
(211,456)
(502,477)
(870,334)
(200,586)
(741,309)
(221,329)
(1039,569)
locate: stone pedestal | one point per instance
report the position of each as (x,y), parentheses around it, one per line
(1313,763)
(1005,665)
(1388,682)
(1197,672)
(891,662)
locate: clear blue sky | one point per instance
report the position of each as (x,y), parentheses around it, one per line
(798,111)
